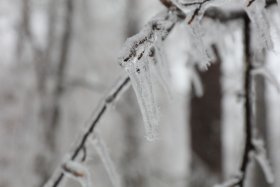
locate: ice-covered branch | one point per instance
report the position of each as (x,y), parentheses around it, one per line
(197,10)
(157,30)
(78,172)
(108,100)
(232,181)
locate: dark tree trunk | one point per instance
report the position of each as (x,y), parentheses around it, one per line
(205,124)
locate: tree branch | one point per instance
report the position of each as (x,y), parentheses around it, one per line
(248,99)
(116,91)
(109,99)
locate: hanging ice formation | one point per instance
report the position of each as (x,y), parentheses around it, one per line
(256,13)
(194,9)
(142,58)
(196,34)
(103,153)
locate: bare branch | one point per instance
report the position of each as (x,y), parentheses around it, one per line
(250,2)
(197,10)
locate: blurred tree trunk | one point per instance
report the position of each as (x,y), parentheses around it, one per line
(61,70)
(50,98)
(205,124)
(24,33)
(131,159)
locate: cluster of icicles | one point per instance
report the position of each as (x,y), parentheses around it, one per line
(143,58)
(143,55)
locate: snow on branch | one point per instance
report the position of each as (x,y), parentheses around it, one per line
(78,172)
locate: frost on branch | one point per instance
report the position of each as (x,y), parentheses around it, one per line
(78,172)
(196,33)
(257,15)
(142,58)
(103,153)
(190,6)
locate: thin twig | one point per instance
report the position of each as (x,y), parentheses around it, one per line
(248,100)
(197,10)
(250,2)
(109,99)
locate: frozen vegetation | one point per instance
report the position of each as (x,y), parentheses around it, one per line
(36,92)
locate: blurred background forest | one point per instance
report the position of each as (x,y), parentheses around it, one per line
(59,58)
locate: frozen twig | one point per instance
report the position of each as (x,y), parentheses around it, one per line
(111,97)
(108,100)
(140,47)
(78,172)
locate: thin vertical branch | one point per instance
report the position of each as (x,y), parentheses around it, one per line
(108,100)
(24,28)
(248,114)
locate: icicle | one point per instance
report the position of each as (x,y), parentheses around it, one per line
(106,159)
(261,157)
(78,172)
(136,60)
(258,17)
(197,83)
(267,75)
(195,31)
(140,76)
(157,59)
